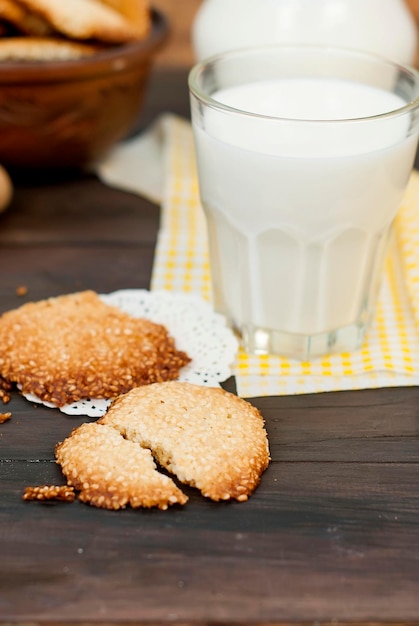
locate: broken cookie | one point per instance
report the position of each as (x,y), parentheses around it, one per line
(206,437)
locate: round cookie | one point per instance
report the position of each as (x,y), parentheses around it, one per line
(207,437)
(111,472)
(76,346)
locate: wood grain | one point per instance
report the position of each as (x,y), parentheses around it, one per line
(300,550)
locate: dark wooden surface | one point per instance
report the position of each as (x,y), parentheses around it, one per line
(332,533)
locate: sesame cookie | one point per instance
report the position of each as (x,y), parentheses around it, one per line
(83,19)
(72,347)
(111,472)
(207,437)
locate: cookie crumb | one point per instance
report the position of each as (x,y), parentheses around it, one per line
(4,396)
(63,493)
(4,417)
(22,290)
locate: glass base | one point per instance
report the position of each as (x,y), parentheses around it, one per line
(301,347)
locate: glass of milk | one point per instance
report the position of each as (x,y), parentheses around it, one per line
(303,155)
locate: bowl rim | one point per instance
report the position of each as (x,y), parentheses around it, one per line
(116,58)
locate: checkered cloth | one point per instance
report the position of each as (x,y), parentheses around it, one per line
(390,354)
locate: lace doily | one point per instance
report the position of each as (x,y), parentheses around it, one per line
(195,327)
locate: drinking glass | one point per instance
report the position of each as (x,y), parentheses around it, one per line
(303,155)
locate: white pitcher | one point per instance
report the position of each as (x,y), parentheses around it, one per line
(384,27)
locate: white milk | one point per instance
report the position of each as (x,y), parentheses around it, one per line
(299,212)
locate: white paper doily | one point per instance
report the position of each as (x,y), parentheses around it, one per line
(195,327)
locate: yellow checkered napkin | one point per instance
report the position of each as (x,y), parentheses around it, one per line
(161,165)
(390,356)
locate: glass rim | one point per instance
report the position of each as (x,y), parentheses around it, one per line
(199,68)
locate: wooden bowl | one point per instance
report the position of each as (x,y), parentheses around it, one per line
(70,113)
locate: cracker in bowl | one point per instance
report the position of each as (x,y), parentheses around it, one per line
(137,12)
(208,438)
(28,49)
(73,347)
(24,21)
(83,19)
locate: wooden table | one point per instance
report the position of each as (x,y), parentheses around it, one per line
(332,533)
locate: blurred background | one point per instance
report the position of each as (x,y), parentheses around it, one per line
(178,52)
